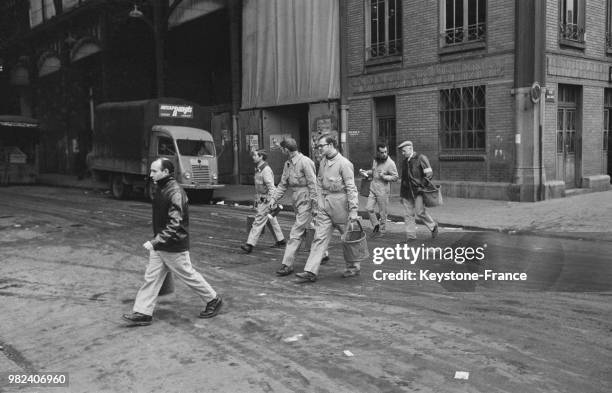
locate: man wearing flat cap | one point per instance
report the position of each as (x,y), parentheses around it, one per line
(416,174)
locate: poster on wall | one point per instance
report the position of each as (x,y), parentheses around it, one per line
(252,142)
(324,125)
(276,139)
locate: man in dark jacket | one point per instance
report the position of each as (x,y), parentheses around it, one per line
(169,249)
(416,173)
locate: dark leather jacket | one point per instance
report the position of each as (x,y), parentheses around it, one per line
(416,173)
(170,217)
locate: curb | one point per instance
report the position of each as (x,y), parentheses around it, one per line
(365,215)
(88,185)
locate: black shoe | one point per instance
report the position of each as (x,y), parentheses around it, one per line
(284,271)
(280,243)
(325,260)
(137,318)
(247,248)
(434,232)
(376,228)
(305,277)
(350,273)
(212,308)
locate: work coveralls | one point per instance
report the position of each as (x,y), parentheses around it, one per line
(299,175)
(382,173)
(338,198)
(264,189)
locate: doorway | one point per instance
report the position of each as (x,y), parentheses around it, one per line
(386,124)
(568,136)
(281,122)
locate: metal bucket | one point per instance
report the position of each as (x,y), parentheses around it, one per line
(354,243)
(168,285)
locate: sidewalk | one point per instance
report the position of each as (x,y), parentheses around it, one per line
(583,216)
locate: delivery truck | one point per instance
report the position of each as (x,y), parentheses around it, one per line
(129,136)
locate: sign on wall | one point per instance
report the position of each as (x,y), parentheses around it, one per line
(176,111)
(252,142)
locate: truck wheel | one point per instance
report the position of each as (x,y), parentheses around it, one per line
(119,189)
(200,196)
(206,196)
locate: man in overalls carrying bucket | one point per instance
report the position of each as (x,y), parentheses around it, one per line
(338,202)
(299,175)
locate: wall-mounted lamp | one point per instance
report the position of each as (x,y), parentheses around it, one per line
(136,13)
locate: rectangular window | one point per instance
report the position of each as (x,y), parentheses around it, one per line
(462,118)
(571,20)
(40,11)
(463,21)
(384,32)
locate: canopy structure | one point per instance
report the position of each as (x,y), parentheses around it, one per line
(18,121)
(290,52)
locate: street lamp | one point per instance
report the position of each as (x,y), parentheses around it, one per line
(158,38)
(136,13)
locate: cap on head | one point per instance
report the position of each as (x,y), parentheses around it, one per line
(405,143)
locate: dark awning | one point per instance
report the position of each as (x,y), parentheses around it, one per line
(18,121)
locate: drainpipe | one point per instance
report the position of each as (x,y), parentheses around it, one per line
(235,16)
(540,74)
(344,107)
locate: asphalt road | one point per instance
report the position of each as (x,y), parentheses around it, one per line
(71,263)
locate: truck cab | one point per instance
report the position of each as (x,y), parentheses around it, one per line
(192,151)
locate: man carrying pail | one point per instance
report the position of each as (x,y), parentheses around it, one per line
(337,203)
(299,175)
(416,171)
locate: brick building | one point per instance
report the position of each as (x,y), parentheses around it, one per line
(509,100)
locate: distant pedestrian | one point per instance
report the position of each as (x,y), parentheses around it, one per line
(169,249)
(416,174)
(383,173)
(299,175)
(264,190)
(337,203)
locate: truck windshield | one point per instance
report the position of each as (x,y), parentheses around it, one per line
(195,148)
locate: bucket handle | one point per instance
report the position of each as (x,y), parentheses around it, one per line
(358,223)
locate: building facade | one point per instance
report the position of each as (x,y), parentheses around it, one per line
(61,58)
(507,99)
